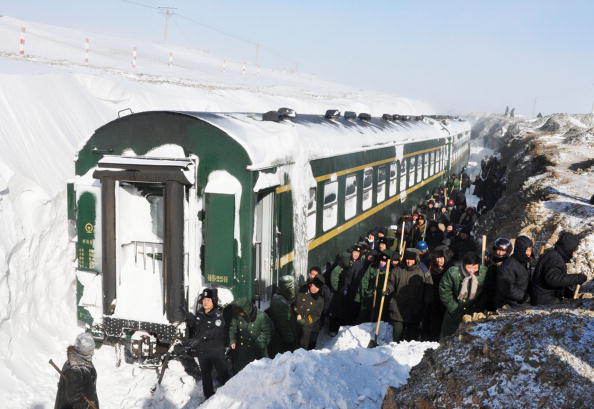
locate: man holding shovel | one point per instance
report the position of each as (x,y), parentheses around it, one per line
(77,386)
(411,292)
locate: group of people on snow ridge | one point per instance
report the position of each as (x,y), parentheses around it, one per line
(435,276)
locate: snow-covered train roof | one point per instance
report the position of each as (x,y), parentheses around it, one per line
(309,137)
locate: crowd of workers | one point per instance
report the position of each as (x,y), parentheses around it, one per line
(428,267)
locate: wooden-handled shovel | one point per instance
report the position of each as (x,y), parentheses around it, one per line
(373,342)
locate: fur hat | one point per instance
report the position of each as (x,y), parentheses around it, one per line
(211,293)
(84,344)
(410,254)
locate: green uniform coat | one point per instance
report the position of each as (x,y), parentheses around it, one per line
(250,336)
(449,288)
(310,307)
(286,331)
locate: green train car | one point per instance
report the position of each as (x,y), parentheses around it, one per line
(166,203)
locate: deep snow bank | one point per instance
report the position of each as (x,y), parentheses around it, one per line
(347,375)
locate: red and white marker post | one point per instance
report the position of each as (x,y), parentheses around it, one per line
(22,41)
(134,55)
(170,62)
(86,51)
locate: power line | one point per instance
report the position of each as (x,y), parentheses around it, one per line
(167,11)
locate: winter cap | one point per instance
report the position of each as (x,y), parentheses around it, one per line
(410,254)
(566,245)
(356,247)
(382,257)
(317,269)
(431,202)
(286,287)
(568,241)
(471,258)
(244,305)
(211,293)
(522,243)
(383,240)
(316,281)
(84,344)
(440,251)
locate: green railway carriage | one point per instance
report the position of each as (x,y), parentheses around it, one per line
(165,203)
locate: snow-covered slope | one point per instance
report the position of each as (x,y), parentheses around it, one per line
(50,103)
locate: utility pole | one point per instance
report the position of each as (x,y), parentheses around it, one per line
(258,53)
(534,106)
(168,12)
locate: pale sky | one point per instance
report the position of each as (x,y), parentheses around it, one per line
(460,56)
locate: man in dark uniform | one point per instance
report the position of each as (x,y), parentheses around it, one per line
(77,387)
(411,292)
(550,281)
(207,342)
(502,248)
(309,306)
(513,276)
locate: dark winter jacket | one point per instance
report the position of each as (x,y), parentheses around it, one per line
(513,276)
(78,383)
(208,329)
(410,289)
(309,306)
(286,330)
(250,333)
(433,238)
(449,289)
(494,264)
(550,277)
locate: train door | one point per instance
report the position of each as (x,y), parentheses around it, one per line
(144,223)
(264,246)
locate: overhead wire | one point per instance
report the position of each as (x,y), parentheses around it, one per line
(235,37)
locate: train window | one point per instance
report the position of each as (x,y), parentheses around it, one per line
(437,159)
(433,162)
(402,176)
(311,214)
(427,160)
(367,188)
(419,177)
(330,205)
(411,172)
(350,201)
(393,188)
(382,175)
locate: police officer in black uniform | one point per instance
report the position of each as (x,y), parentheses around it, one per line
(207,341)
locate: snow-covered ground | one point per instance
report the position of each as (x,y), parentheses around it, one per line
(343,374)
(50,104)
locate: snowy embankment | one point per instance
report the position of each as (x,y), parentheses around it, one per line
(534,358)
(550,180)
(50,104)
(344,375)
